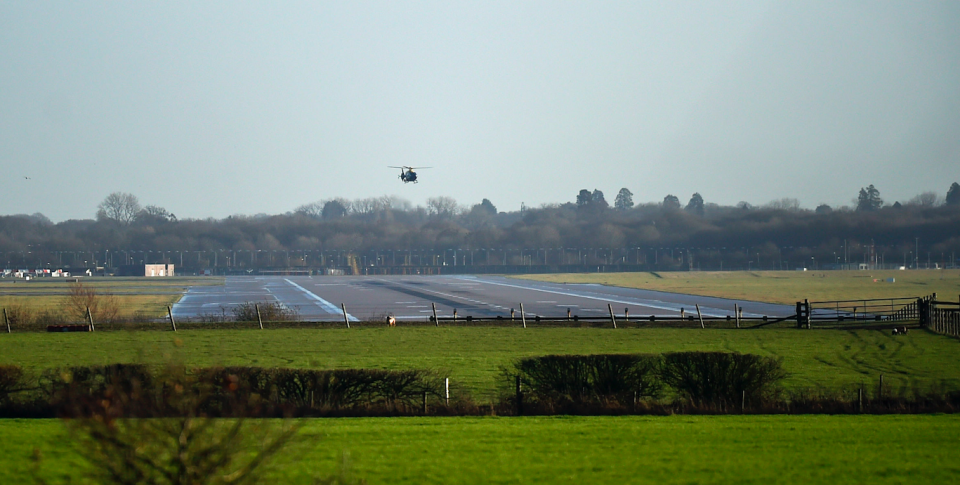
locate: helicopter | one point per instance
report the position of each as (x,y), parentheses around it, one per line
(407,174)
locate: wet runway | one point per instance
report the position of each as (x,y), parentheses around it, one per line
(319,298)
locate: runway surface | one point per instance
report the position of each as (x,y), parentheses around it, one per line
(319,298)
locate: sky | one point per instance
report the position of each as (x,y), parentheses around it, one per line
(211,109)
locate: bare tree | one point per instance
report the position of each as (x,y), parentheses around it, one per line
(925,199)
(313,209)
(160,433)
(786,203)
(120,207)
(442,206)
(103,308)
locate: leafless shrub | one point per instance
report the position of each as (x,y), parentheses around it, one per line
(18,316)
(103,308)
(138,428)
(268,312)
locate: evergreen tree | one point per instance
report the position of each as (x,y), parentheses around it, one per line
(624,200)
(671,202)
(597,199)
(695,206)
(869,199)
(953,195)
(584,198)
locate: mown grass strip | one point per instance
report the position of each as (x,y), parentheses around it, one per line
(783,287)
(597,450)
(473,357)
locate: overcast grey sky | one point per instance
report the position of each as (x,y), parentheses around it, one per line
(216,108)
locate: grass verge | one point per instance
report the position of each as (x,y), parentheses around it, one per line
(673,449)
(783,287)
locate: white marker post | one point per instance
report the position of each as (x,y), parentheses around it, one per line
(699,315)
(345,319)
(612,318)
(523,317)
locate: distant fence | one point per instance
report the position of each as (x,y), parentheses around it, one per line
(927,312)
(942,317)
(846,313)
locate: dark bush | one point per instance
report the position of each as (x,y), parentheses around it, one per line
(721,379)
(81,391)
(563,380)
(11,382)
(296,391)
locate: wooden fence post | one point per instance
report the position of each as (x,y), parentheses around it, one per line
(435,321)
(523,316)
(613,319)
(90,319)
(172,322)
(259,318)
(700,316)
(345,319)
(454,316)
(5,320)
(626,314)
(736,314)
(446,391)
(880,389)
(860,399)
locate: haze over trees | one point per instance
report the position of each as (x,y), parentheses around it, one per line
(778,234)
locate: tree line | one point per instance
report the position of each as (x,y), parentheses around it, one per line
(744,235)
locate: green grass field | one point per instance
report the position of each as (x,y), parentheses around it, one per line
(596,450)
(473,356)
(634,449)
(785,287)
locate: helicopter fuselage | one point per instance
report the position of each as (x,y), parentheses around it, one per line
(408,176)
